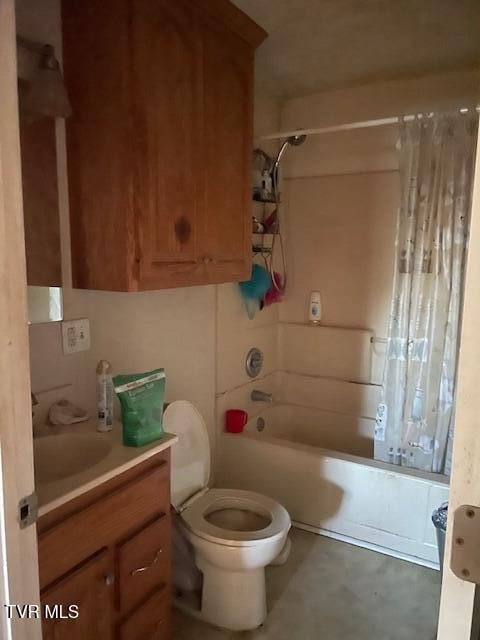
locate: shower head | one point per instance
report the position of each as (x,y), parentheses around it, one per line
(294,141)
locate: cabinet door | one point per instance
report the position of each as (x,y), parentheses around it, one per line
(90,588)
(166,67)
(96,56)
(150,621)
(225,229)
(143,563)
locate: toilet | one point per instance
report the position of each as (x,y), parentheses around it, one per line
(223,538)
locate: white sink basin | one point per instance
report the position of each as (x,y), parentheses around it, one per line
(59,456)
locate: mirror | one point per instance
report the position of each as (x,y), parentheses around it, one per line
(41,218)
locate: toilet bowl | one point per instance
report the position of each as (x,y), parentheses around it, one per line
(232,534)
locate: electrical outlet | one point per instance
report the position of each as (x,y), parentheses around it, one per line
(76,335)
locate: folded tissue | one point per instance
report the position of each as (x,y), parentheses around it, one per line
(64,412)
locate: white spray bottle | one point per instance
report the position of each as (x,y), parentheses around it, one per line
(104,396)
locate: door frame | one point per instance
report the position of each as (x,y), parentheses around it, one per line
(18,547)
(458,597)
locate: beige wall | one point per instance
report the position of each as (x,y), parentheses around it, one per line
(383,99)
(236,333)
(340,239)
(267,116)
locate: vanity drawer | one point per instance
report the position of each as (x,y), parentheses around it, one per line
(107,520)
(151,621)
(143,563)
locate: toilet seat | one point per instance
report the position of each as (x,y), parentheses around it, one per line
(194,501)
(194,516)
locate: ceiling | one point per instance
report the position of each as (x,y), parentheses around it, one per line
(316,45)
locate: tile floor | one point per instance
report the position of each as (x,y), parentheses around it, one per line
(330,590)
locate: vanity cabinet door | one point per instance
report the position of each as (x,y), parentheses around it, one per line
(90,588)
(124,509)
(143,563)
(151,621)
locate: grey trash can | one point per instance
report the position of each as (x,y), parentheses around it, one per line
(439,519)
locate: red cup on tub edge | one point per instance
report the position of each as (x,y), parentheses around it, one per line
(235,420)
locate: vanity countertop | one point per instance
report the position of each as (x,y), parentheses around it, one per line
(53,492)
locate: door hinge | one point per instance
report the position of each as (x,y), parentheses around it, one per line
(465,557)
(28,510)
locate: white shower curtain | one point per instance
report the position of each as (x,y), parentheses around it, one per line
(416,413)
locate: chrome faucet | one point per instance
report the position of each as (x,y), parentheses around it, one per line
(261,396)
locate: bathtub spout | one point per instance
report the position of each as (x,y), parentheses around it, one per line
(261,396)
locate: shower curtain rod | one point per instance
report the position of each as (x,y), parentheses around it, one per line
(365,124)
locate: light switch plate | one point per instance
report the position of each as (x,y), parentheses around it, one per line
(76,335)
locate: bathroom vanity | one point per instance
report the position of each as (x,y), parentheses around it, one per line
(104,538)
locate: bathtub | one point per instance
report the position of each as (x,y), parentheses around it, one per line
(319,465)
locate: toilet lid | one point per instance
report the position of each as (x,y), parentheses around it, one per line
(191,454)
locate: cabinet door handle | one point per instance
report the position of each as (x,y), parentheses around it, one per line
(206,260)
(148,566)
(158,630)
(109,579)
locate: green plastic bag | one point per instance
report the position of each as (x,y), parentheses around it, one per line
(141,399)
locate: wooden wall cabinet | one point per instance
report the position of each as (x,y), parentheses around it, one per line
(159,144)
(108,553)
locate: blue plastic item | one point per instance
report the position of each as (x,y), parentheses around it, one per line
(254,290)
